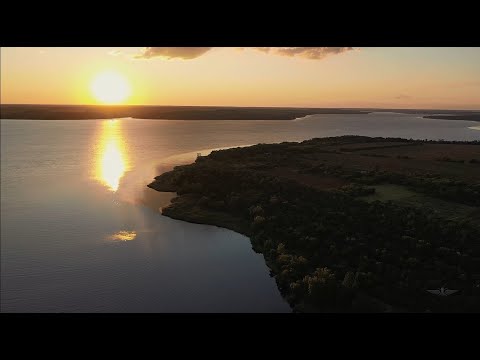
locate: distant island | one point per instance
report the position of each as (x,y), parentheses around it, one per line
(83,112)
(350,223)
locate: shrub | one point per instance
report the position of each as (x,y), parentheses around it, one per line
(258,220)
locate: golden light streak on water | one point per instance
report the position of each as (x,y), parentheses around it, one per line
(111,161)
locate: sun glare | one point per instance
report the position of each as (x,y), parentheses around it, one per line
(109,87)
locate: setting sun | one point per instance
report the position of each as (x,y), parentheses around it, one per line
(110,87)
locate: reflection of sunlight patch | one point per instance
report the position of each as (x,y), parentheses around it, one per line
(123,236)
(474,127)
(113,165)
(111,160)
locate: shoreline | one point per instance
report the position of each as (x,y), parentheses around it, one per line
(466,117)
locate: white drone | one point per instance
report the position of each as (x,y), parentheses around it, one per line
(443,291)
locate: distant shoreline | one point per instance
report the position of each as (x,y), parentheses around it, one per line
(87,112)
(467,117)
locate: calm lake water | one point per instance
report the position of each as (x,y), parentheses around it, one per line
(81,232)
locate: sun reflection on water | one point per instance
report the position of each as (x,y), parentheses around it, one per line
(123,236)
(111,155)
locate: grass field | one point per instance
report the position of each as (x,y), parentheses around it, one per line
(402,195)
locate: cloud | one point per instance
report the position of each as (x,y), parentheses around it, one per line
(185,53)
(402,97)
(263,49)
(314,53)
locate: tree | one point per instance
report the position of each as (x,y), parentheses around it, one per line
(349,280)
(321,286)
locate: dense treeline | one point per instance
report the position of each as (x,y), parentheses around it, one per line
(330,251)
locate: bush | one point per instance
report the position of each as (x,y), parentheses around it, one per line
(258,220)
(257,210)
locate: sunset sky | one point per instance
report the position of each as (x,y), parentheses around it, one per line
(447,78)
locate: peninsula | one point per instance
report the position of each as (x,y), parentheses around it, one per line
(350,223)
